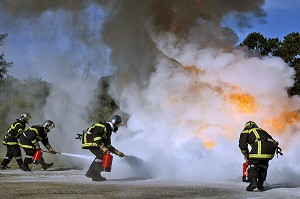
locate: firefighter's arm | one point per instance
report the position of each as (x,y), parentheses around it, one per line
(99,142)
(104,149)
(20,131)
(115,151)
(36,144)
(50,149)
(243,145)
(31,136)
(107,143)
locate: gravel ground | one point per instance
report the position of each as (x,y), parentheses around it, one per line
(67,184)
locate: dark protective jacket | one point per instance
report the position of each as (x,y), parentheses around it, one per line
(263,145)
(97,135)
(13,133)
(31,137)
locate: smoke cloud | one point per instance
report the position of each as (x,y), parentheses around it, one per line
(177,74)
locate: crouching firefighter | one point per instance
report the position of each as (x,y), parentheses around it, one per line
(11,140)
(29,141)
(97,139)
(263,149)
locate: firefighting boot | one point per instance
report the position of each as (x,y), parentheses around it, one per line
(19,161)
(4,167)
(4,163)
(252,185)
(94,172)
(260,185)
(44,164)
(95,176)
(98,178)
(25,167)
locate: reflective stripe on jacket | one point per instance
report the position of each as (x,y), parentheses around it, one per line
(262,144)
(92,137)
(31,137)
(97,135)
(13,133)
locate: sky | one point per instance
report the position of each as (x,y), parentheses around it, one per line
(176,72)
(282,19)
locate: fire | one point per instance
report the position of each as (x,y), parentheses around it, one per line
(209,144)
(193,69)
(278,125)
(244,102)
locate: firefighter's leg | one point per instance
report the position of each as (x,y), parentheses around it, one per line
(95,168)
(18,155)
(262,174)
(28,159)
(44,164)
(8,157)
(253,174)
(5,162)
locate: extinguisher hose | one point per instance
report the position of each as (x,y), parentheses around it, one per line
(49,152)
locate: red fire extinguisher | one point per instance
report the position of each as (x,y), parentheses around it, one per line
(245,177)
(107,162)
(37,156)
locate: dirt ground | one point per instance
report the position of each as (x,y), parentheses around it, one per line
(72,184)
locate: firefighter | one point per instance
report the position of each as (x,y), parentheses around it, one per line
(97,139)
(11,140)
(29,141)
(263,149)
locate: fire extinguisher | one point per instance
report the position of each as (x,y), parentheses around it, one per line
(107,162)
(37,156)
(245,176)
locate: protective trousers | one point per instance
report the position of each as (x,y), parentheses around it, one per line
(96,166)
(258,170)
(44,164)
(29,159)
(29,155)
(13,151)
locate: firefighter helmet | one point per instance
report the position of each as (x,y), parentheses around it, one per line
(48,125)
(25,117)
(250,125)
(116,121)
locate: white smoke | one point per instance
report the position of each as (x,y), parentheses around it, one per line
(184,121)
(65,49)
(179,111)
(178,90)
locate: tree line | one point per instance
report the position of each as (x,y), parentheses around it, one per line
(288,50)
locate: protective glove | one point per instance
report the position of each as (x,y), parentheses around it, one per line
(119,153)
(104,149)
(52,151)
(37,146)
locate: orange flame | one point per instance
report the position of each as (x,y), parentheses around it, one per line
(279,124)
(209,144)
(193,69)
(244,102)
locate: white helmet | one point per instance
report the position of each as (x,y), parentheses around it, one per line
(48,125)
(25,117)
(116,121)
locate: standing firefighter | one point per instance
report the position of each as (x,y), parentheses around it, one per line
(97,139)
(29,141)
(263,148)
(11,141)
